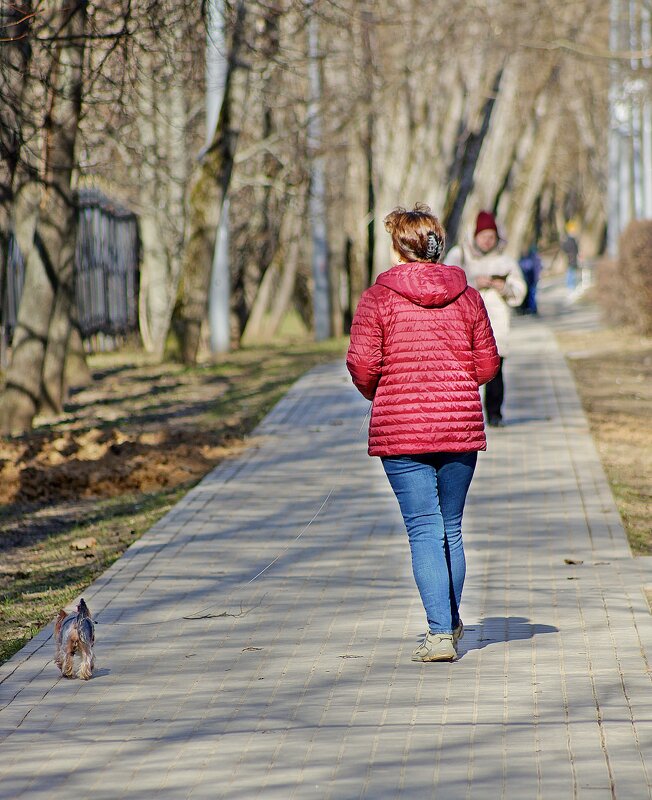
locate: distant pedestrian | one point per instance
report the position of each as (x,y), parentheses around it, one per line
(531,267)
(572,250)
(421,344)
(499,280)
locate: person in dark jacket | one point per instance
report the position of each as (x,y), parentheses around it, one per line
(421,345)
(531,267)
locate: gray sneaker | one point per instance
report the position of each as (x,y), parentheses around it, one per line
(435,647)
(458,634)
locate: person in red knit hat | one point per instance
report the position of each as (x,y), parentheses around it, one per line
(498,278)
(421,344)
(485,222)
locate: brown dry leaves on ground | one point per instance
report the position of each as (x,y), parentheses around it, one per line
(143,436)
(613,374)
(126,449)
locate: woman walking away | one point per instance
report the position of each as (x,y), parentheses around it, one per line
(421,344)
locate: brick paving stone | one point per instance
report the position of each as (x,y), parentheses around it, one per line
(295,679)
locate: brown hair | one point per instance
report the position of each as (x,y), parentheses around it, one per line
(417,235)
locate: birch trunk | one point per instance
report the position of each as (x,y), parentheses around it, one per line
(321,290)
(151,298)
(208,188)
(163,172)
(168,218)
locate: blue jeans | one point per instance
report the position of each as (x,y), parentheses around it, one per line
(571,278)
(431,491)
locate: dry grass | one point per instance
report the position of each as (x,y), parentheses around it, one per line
(126,449)
(613,373)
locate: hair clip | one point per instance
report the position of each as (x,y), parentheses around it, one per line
(434,245)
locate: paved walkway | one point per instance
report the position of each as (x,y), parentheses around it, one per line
(298,683)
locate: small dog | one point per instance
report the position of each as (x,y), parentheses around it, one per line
(75,633)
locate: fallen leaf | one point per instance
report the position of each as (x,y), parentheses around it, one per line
(83,544)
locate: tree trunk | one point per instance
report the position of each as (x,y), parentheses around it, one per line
(286,288)
(77,371)
(206,195)
(530,183)
(15,55)
(278,285)
(463,179)
(219,292)
(497,150)
(163,176)
(21,398)
(35,378)
(257,326)
(254,329)
(321,291)
(153,267)
(14,60)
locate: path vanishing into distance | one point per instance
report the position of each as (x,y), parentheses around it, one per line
(256,642)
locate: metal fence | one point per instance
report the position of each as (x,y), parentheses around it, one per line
(106,273)
(107,261)
(12,278)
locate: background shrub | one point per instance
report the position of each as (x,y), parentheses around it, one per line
(624,286)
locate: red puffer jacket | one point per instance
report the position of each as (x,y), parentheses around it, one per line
(421,345)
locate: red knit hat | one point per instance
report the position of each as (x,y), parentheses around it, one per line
(485,222)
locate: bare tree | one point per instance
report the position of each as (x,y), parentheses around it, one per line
(208,187)
(15,22)
(35,378)
(163,165)
(419,101)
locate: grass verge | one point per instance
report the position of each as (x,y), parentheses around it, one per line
(612,368)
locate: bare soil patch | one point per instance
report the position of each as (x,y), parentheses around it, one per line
(613,373)
(126,449)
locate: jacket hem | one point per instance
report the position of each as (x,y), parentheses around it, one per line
(420,450)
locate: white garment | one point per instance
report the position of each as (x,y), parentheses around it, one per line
(476,263)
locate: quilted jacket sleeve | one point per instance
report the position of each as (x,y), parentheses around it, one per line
(485,354)
(364,359)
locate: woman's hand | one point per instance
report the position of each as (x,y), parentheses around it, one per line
(496,282)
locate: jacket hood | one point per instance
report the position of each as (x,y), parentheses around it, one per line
(426,284)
